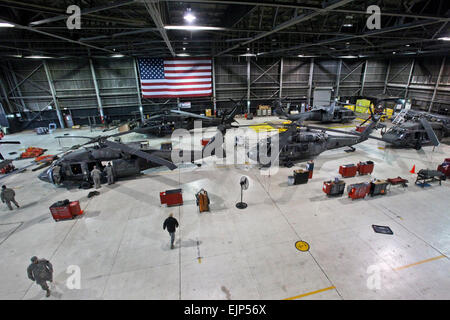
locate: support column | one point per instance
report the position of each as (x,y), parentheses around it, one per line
(310,81)
(138,89)
(388,71)
(338,79)
(5,95)
(281,78)
(410,77)
(437,84)
(97,91)
(363,81)
(248,85)
(214,85)
(14,79)
(53,92)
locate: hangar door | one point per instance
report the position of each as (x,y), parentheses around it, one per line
(322,96)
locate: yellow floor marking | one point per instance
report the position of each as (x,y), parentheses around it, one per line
(310,293)
(420,262)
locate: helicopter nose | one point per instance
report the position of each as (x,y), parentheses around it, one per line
(45,176)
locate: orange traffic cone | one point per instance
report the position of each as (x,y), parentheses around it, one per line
(413,170)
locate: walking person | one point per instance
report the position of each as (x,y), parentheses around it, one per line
(8,196)
(41,271)
(171,224)
(109,173)
(96,176)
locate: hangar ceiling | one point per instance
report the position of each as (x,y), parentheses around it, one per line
(329,29)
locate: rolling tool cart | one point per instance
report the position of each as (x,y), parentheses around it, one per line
(63,210)
(301,176)
(348,170)
(365,167)
(378,187)
(334,188)
(425,175)
(445,167)
(358,190)
(398,180)
(172,197)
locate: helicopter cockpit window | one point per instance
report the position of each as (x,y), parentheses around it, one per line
(76,168)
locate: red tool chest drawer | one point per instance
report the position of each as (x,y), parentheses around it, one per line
(61,213)
(365,167)
(172,197)
(348,170)
(358,190)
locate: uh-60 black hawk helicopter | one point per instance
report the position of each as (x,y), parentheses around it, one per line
(130,159)
(165,122)
(415,129)
(298,144)
(324,114)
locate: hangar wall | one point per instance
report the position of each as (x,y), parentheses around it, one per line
(29,91)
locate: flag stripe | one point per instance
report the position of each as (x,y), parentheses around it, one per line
(179,95)
(175,77)
(158,88)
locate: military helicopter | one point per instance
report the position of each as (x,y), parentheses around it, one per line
(165,123)
(302,143)
(414,134)
(75,165)
(323,114)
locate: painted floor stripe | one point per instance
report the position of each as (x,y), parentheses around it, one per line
(310,293)
(420,262)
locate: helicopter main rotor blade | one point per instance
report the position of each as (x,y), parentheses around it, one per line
(189,114)
(430,132)
(141,154)
(10,142)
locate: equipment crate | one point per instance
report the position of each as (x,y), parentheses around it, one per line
(348,170)
(365,167)
(333,188)
(172,197)
(379,187)
(358,190)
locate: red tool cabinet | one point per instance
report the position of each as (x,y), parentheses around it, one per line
(365,167)
(358,190)
(172,197)
(68,211)
(348,170)
(333,188)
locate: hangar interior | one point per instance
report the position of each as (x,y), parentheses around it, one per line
(261,52)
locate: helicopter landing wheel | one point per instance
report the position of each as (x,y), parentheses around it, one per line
(289,164)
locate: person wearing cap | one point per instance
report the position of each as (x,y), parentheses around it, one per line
(41,271)
(171,224)
(96,176)
(8,195)
(109,173)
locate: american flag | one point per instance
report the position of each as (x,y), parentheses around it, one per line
(175,77)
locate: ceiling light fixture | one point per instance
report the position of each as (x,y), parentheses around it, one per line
(37,57)
(348,57)
(445,38)
(6,25)
(183,55)
(117,56)
(188,16)
(348,25)
(192,28)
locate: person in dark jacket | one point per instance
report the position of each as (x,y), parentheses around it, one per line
(41,271)
(171,224)
(7,196)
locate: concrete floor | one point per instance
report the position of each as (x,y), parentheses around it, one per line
(123,253)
